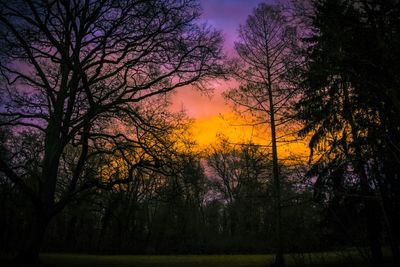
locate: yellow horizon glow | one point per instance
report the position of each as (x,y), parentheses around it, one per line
(205,132)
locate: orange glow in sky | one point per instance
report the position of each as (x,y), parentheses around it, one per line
(212,115)
(206,131)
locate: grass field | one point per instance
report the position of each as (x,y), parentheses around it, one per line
(348,258)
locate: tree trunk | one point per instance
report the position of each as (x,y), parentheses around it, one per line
(371,208)
(279,261)
(29,254)
(387,214)
(373,231)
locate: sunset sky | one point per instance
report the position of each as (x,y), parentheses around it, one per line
(213,116)
(226,16)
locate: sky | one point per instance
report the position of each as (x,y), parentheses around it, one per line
(212,114)
(226,16)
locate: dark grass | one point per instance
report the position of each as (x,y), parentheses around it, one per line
(329,259)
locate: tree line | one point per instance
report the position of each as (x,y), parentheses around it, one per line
(180,208)
(93,161)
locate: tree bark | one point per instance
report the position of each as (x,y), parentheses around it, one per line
(29,254)
(371,209)
(387,212)
(279,261)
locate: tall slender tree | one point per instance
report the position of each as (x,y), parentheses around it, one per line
(266,48)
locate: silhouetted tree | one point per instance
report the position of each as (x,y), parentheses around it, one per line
(240,178)
(73,71)
(267,53)
(346,110)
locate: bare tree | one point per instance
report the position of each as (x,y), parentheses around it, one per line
(73,70)
(239,175)
(266,49)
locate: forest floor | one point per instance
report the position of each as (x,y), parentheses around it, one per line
(330,259)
